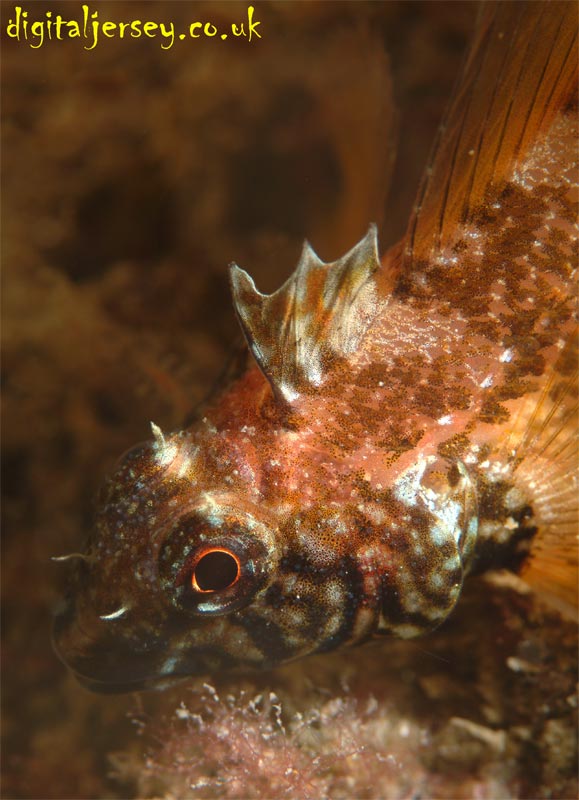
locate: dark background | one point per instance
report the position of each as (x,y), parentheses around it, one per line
(131,177)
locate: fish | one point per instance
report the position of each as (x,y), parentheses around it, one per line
(407,420)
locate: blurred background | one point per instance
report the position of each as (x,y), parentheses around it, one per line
(131,177)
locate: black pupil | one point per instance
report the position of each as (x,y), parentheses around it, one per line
(216,571)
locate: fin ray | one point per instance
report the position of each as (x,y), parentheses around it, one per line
(322,311)
(549,468)
(480,142)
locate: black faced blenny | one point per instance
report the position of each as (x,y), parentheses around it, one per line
(407,420)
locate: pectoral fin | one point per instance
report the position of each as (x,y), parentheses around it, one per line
(549,450)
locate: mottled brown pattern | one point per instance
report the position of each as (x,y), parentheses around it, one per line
(387,444)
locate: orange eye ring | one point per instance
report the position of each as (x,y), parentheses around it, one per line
(214,570)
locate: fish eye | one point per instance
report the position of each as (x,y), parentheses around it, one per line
(214,563)
(215,570)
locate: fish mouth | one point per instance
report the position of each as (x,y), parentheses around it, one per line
(143,685)
(112,661)
(100,662)
(107,674)
(103,687)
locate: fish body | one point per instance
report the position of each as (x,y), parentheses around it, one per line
(408,420)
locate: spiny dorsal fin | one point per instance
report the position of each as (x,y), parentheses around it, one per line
(321,311)
(521,70)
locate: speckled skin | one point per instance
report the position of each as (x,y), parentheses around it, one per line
(389,441)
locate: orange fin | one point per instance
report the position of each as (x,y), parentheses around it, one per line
(520,72)
(322,311)
(549,473)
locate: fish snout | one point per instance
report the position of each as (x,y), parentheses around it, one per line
(102,659)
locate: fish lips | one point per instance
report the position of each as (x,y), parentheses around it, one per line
(102,661)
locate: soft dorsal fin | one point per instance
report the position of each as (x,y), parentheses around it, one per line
(322,311)
(520,71)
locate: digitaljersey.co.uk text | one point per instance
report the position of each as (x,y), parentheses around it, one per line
(90,29)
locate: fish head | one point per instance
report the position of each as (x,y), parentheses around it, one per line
(191,570)
(172,578)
